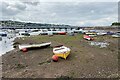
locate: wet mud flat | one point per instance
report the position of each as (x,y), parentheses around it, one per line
(84,61)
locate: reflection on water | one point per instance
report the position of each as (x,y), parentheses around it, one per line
(6,45)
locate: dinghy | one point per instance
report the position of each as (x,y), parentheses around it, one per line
(90,33)
(3,34)
(30,46)
(87,37)
(62,33)
(61,51)
(116,35)
(0,38)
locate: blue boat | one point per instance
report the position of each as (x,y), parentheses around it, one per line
(3,34)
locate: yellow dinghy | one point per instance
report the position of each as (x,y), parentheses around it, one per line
(61,51)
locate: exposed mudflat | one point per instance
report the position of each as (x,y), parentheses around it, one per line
(84,61)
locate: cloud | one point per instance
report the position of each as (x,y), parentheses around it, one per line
(79,0)
(98,22)
(31,2)
(9,9)
(73,13)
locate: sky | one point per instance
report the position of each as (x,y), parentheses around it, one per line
(77,12)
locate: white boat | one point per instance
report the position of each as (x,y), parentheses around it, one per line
(101,33)
(116,35)
(78,31)
(92,35)
(61,51)
(34,45)
(35,33)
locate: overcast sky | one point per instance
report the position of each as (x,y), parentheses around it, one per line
(81,13)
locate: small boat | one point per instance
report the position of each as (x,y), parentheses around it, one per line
(101,33)
(62,33)
(61,51)
(110,33)
(0,38)
(91,33)
(71,33)
(43,32)
(3,34)
(87,37)
(24,33)
(116,35)
(30,46)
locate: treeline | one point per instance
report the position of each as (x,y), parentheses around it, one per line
(116,24)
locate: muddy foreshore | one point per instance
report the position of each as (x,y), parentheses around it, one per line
(84,61)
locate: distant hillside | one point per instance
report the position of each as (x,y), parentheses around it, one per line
(18,24)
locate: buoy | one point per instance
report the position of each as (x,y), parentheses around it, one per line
(92,38)
(55,58)
(24,49)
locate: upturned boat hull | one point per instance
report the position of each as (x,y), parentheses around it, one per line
(34,46)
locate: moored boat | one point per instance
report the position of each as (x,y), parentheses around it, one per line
(0,38)
(3,34)
(87,37)
(90,33)
(101,33)
(116,35)
(62,33)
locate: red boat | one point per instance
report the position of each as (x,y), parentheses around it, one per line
(62,33)
(87,37)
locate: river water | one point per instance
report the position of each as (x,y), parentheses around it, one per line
(6,45)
